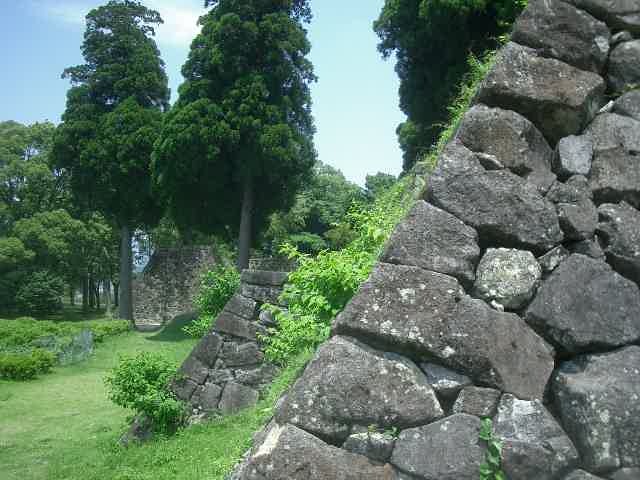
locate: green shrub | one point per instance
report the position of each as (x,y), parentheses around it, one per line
(25,366)
(40,294)
(216,288)
(21,332)
(141,383)
(322,285)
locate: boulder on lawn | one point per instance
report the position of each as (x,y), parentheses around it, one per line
(597,397)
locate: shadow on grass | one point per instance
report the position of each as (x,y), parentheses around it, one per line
(172,331)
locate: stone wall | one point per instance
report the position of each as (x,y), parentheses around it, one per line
(226,371)
(510,291)
(169,284)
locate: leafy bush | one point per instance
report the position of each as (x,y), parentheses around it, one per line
(216,288)
(141,383)
(20,333)
(25,366)
(40,294)
(322,285)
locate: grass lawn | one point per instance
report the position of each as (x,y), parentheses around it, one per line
(62,426)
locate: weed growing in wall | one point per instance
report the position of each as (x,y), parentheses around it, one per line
(216,288)
(491,468)
(322,285)
(478,70)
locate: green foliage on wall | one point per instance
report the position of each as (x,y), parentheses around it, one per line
(217,286)
(322,285)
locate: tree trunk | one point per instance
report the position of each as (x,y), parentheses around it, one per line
(97,285)
(116,294)
(107,296)
(92,292)
(72,295)
(85,293)
(126,265)
(244,242)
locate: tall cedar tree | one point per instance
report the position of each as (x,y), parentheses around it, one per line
(432,39)
(113,117)
(239,142)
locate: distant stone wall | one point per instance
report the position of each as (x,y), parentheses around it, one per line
(168,284)
(510,291)
(226,371)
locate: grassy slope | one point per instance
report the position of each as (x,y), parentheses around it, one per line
(64,418)
(61,426)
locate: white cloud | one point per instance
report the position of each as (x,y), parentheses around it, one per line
(180,17)
(180,22)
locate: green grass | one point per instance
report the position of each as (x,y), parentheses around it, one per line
(62,426)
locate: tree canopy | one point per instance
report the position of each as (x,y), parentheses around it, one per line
(431,40)
(238,143)
(112,118)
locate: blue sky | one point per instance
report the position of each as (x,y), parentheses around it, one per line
(355,99)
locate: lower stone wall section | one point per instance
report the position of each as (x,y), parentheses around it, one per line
(168,285)
(226,371)
(510,292)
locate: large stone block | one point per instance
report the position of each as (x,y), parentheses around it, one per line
(558,98)
(581,475)
(288,453)
(629,105)
(598,397)
(615,172)
(411,310)
(435,240)
(573,156)
(509,277)
(243,307)
(619,230)
(534,445)
(481,402)
(624,66)
(445,450)
(264,277)
(231,324)
(619,14)
(239,355)
(349,384)
(585,306)
(564,32)
(512,139)
(505,209)
(236,397)
(208,348)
